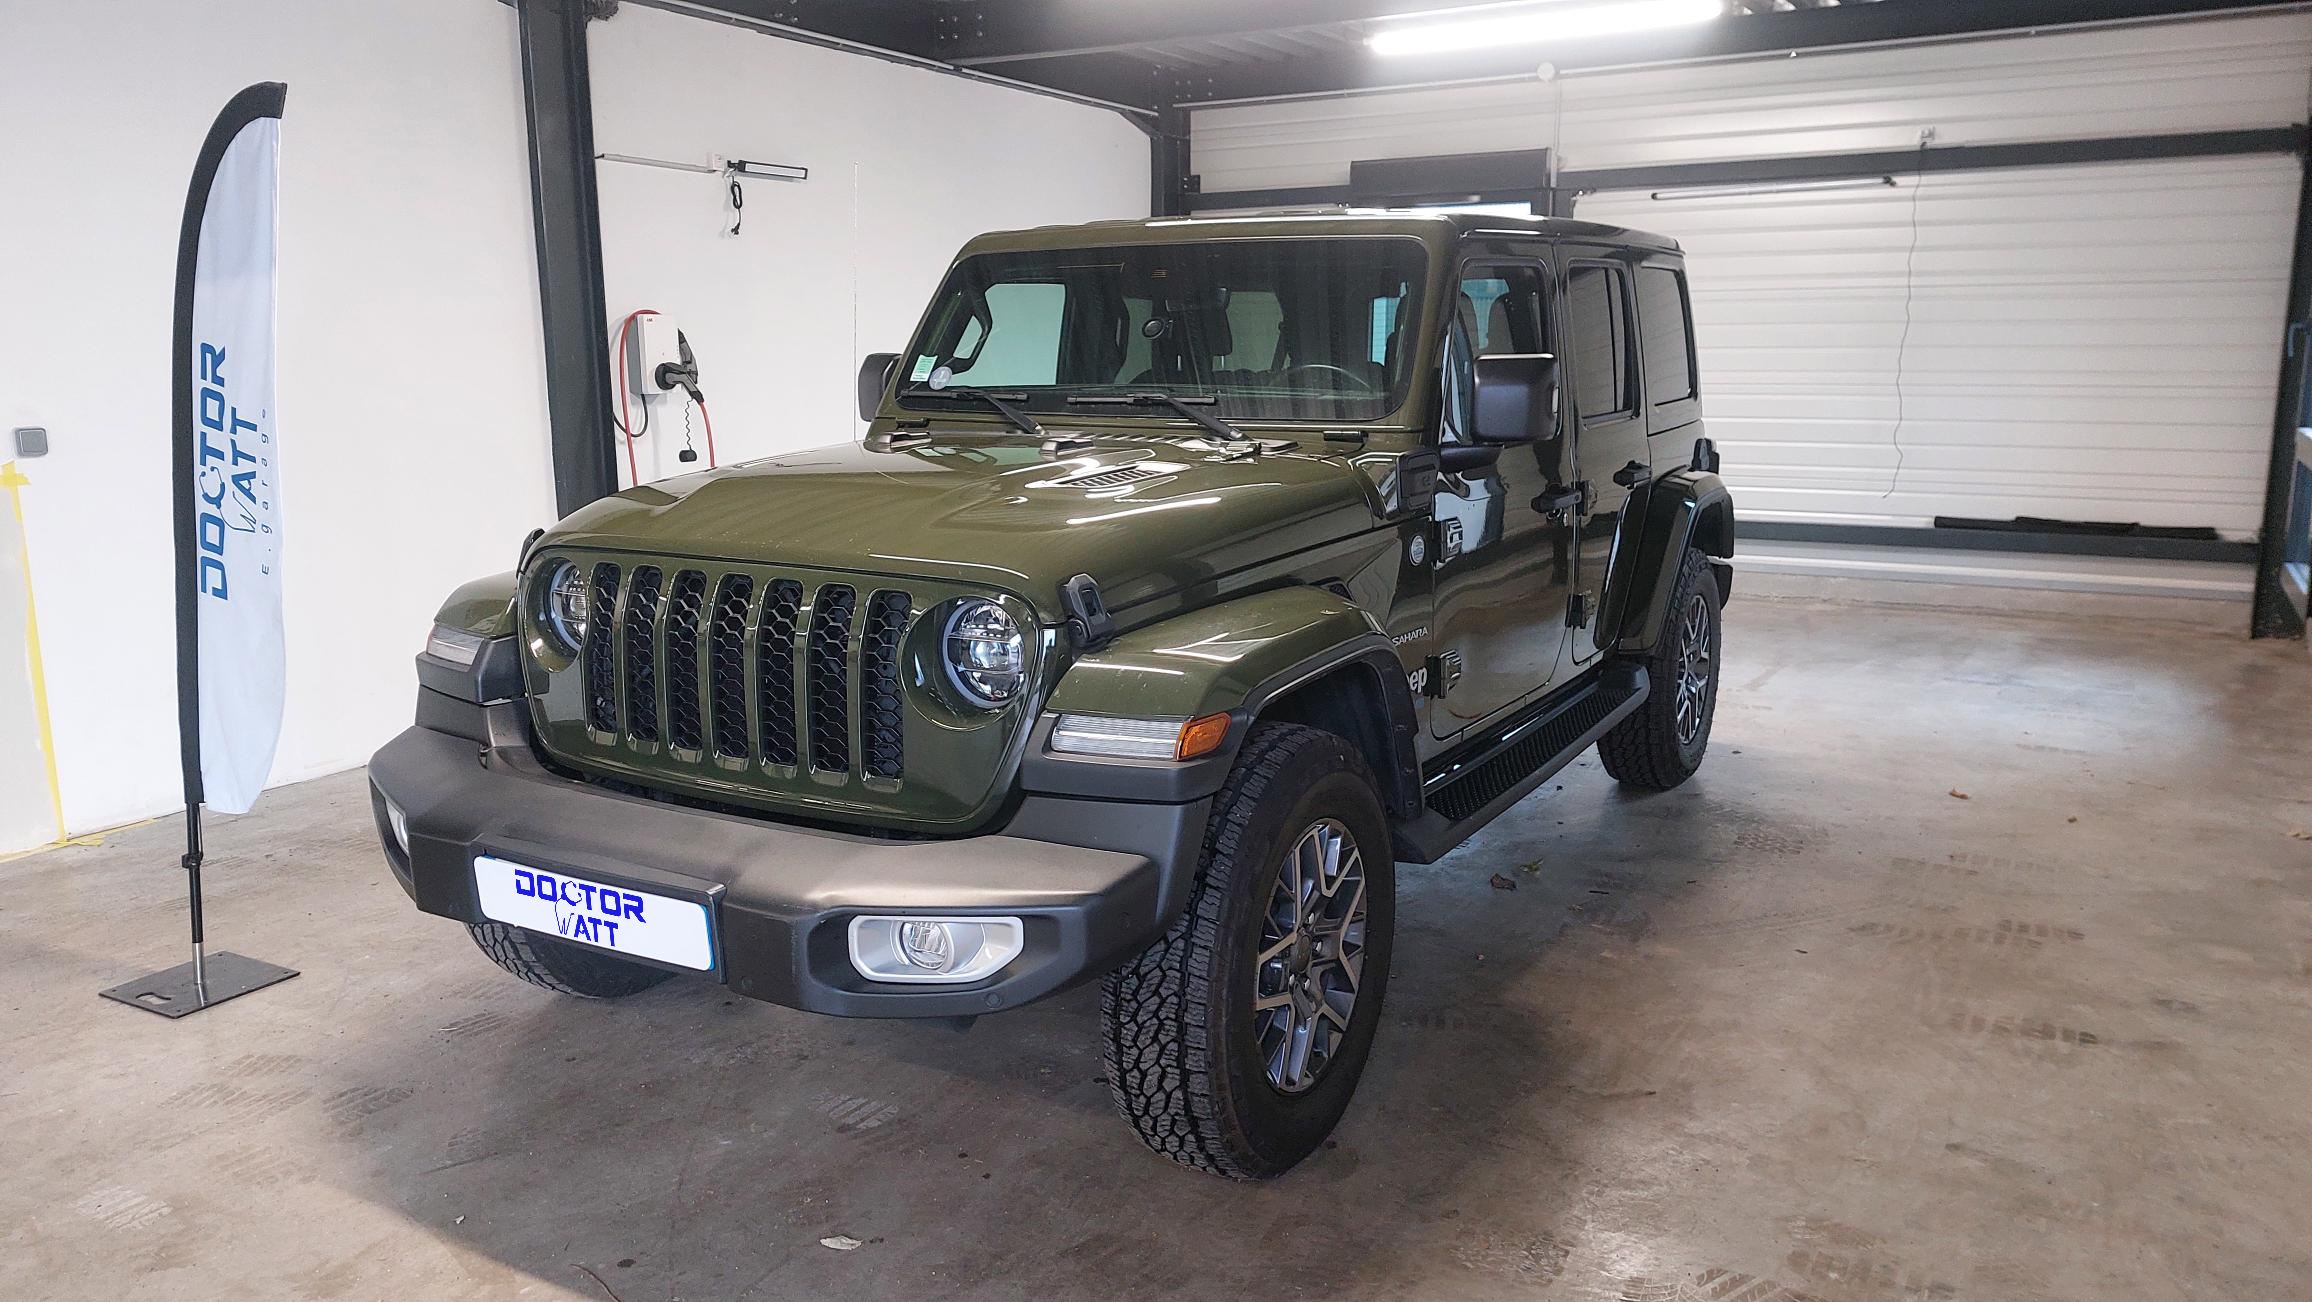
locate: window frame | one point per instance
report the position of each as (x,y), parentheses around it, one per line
(1672,413)
(1633,402)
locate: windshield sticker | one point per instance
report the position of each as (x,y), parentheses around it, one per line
(923,367)
(942,377)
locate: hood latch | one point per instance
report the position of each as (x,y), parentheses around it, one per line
(1088,620)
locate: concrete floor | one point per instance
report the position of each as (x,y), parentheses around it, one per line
(1813,1027)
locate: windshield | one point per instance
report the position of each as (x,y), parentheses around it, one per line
(1267,329)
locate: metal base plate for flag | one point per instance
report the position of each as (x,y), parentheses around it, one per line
(174,993)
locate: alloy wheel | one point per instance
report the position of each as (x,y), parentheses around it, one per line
(1311,957)
(1693,667)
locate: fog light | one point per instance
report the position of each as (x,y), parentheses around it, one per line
(399,823)
(942,950)
(928,945)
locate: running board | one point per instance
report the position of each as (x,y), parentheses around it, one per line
(1528,751)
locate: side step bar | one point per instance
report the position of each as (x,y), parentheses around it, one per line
(1528,751)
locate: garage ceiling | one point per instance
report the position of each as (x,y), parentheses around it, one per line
(1155,54)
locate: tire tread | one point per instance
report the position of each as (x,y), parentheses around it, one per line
(1156,1012)
(1642,750)
(561,967)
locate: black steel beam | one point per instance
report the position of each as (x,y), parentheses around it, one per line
(1168,179)
(1356,68)
(558,104)
(1479,180)
(1952,158)
(2274,615)
(1385,182)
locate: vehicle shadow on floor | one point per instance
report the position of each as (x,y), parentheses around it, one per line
(688,1143)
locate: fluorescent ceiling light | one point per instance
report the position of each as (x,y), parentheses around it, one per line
(1776,187)
(1571,20)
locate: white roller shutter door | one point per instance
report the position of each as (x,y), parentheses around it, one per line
(2081,343)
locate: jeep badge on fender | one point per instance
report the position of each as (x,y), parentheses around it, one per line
(1191,575)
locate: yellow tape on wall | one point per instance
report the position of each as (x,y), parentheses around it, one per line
(14,481)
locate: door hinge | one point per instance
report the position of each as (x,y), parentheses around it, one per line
(1577,610)
(1440,672)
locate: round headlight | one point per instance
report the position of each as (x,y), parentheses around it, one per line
(568,603)
(986,656)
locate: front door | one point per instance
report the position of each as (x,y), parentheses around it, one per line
(1502,565)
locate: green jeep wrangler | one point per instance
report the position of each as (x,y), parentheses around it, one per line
(1191,574)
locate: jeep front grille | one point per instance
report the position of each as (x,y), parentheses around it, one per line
(723,669)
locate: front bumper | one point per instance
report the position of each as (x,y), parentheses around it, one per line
(780,898)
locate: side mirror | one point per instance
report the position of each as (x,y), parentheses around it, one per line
(1517,399)
(874,378)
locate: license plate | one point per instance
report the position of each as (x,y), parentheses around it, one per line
(620,919)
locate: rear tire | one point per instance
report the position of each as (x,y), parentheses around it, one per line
(560,966)
(1660,745)
(1234,1044)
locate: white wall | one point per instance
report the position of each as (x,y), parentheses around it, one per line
(415,451)
(906,164)
(406,268)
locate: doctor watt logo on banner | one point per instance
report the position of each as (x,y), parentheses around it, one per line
(235,484)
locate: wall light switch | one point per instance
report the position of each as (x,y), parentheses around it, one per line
(31,441)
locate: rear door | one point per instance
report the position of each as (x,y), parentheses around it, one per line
(1605,395)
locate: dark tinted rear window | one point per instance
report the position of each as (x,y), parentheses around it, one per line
(1669,347)
(1601,341)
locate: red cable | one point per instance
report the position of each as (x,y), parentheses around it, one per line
(709,419)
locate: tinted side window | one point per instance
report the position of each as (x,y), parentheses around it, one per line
(1601,341)
(1669,346)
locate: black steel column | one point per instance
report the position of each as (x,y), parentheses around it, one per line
(1169,181)
(2274,616)
(560,109)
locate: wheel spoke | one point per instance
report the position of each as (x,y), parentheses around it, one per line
(1275,951)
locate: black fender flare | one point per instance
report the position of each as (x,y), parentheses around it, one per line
(1685,508)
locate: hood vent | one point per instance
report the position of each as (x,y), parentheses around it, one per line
(1121,476)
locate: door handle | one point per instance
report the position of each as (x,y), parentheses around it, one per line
(1558,499)
(1634,474)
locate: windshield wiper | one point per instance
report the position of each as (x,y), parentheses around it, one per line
(1185,406)
(1000,401)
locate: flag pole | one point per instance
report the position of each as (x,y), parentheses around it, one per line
(206,981)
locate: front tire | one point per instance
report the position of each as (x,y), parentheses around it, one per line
(557,965)
(1661,744)
(1234,1044)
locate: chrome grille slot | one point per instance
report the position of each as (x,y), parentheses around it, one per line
(685,726)
(880,719)
(827,668)
(601,652)
(727,666)
(775,677)
(641,635)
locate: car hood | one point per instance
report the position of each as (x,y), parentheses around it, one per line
(1143,516)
